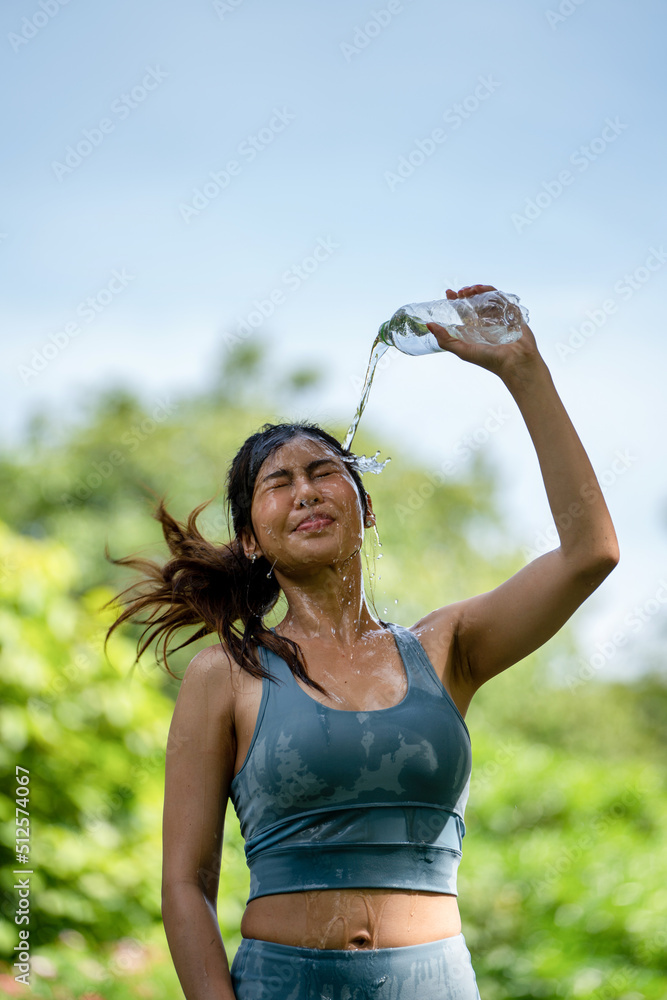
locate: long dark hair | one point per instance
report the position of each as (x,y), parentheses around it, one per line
(216,586)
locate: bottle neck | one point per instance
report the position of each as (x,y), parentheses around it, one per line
(383,334)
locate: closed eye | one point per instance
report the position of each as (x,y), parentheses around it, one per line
(320,475)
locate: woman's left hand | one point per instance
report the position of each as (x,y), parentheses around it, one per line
(502,359)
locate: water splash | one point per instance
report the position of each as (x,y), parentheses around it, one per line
(364,463)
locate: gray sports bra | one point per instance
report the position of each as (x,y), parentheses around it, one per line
(332,799)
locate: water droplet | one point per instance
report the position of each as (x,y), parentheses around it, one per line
(379,555)
(396,600)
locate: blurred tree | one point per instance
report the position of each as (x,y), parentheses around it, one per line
(563,875)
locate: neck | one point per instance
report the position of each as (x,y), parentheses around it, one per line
(329,605)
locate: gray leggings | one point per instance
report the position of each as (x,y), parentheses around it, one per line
(438,970)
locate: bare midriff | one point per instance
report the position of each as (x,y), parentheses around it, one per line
(352,918)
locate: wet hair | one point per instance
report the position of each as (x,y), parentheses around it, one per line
(216,587)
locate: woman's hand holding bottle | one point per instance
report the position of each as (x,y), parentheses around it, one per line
(515,359)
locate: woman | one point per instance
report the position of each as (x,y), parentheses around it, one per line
(340,738)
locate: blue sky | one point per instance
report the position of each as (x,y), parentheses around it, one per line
(179,164)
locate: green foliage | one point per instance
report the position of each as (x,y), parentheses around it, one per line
(91,737)
(562,883)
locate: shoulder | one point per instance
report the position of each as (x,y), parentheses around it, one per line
(210,663)
(211,681)
(203,722)
(215,678)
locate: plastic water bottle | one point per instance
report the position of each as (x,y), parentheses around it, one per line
(488,318)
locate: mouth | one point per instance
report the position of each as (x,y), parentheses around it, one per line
(315,523)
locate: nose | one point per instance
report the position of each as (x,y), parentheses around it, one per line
(306,493)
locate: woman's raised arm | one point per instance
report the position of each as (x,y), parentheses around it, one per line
(499,628)
(200,760)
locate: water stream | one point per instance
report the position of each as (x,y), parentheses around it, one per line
(362,463)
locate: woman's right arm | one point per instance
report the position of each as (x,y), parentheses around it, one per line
(199,766)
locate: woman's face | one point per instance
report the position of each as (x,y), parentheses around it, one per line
(306,511)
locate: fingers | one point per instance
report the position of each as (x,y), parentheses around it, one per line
(469,290)
(441,335)
(476,289)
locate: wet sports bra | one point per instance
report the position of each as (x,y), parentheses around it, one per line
(335,799)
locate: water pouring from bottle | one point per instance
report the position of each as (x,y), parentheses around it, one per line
(490,317)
